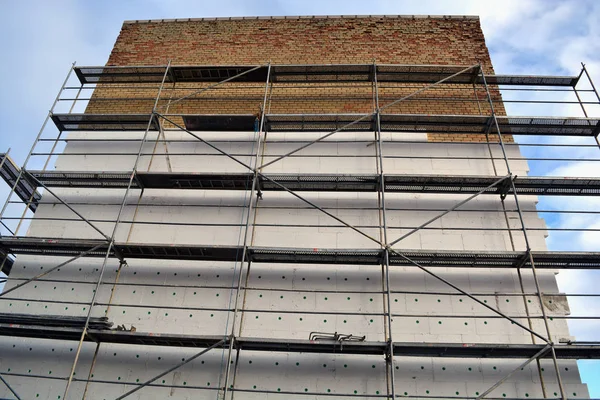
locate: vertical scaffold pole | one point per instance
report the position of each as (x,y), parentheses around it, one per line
(525,235)
(37,139)
(54,144)
(251,208)
(512,245)
(5,159)
(151,121)
(10,388)
(386,255)
(589,78)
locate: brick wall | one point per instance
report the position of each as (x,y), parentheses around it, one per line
(302,40)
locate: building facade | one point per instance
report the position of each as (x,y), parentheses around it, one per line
(337,227)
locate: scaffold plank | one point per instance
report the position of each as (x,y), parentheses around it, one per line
(114,74)
(221,123)
(281,255)
(308,73)
(431,184)
(154,74)
(429,123)
(403,349)
(24,189)
(319,122)
(419,123)
(6,262)
(105,122)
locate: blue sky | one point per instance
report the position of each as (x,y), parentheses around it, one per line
(40,39)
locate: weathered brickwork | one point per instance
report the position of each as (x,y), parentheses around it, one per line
(299,40)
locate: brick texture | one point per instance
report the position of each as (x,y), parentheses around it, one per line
(247,41)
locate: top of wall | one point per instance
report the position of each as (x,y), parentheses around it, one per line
(441,40)
(145,21)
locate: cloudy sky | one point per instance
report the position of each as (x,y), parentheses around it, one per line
(40,39)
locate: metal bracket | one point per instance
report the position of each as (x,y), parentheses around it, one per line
(259,193)
(389,355)
(119,254)
(374,120)
(505,186)
(476,72)
(522,260)
(596,131)
(488,127)
(137,180)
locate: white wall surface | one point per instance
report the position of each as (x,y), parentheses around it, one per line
(169,296)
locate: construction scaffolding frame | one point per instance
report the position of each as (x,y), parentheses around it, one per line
(25,183)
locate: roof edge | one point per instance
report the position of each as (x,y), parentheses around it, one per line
(145,21)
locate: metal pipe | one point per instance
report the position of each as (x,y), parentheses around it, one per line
(105,381)
(399,227)
(296,85)
(321,209)
(336,156)
(321,394)
(580,103)
(235,371)
(512,242)
(595,92)
(304,141)
(387,251)
(468,295)
(449,210)
(216,84)
(511,373)
(487,136)
(4,159)
(368,115)
(12,190)
(251,209)
(316,140)
(341,207)
(112,237)
(241,390)
(587,74)
(182,363)
(386,260)
(84,253)
(205,142)
(151,155)
(6,226)
(309,312)
(525,303)
(31,198)
(326,98)
(60,133)
(64,203)
(322,291)
(89,377)
(271,289)
(525,236)
(9,388)
(161,134)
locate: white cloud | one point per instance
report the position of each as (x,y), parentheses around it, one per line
(580,169)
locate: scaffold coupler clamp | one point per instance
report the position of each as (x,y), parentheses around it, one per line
(505,186)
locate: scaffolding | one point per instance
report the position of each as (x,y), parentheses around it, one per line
(27,185)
